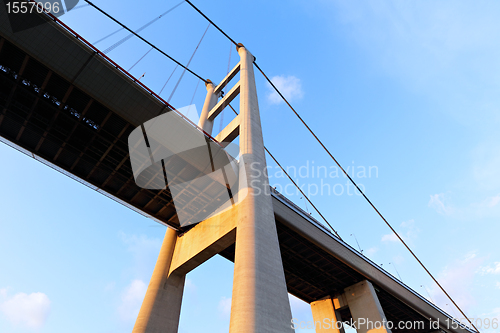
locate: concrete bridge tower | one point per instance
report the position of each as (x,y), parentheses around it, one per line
(260,301)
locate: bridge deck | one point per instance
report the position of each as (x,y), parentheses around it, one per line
(66,105)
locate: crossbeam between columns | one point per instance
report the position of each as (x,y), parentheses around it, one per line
(228,78)
(228,98)
(229,133)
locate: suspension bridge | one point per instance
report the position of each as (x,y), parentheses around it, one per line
(68,105)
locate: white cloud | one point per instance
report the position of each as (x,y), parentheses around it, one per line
(110,286)
(131,300)
(140,245)
(408,233)
(290,86)
(493,201)
(189,286)
(191,292)
(371,251)
(486,205)
(225,306)
(491,270)
(439,203)
(493,314)
(390,238)
(30,311)
(489,206)
(399,259)
(458,280)
(144,252)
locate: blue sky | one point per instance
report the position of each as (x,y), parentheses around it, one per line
(407,88)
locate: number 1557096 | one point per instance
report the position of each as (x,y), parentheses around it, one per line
(23,7)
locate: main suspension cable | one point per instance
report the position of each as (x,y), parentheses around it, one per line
(145,41)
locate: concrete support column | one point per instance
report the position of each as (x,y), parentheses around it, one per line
(161,307)
(260,301)
(365,308)
(210,102)
(326,318)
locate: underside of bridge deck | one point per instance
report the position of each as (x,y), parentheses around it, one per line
(48,116)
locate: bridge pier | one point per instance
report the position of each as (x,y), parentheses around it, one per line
(365,308)
(161,307)
(326,317)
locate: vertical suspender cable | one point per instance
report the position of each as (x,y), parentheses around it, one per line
(228,67)
(192,98)
(107,36)
(168,79)
(78,7)
(151,49)
(187,66)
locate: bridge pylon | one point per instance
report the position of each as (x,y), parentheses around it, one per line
(260,301)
